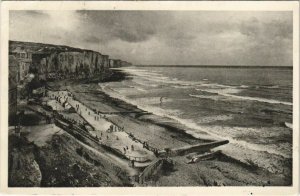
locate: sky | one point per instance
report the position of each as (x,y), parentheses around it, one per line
(165,37)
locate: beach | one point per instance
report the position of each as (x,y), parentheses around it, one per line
(109,140)
(222,170)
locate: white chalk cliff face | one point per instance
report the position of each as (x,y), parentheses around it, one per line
(72,62)
(47,58)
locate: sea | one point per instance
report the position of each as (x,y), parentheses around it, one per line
(249,106)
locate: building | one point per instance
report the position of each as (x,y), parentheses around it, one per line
(23,70)
(39,64)
(21,53)
(12,85)
(25,60)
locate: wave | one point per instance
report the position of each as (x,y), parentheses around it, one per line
(159,78)
(270,87)
(138,88)
(289,125)
(152,109)
(205,131)
(227,93)
(244,86)
(272,101)
(182,87)
(215,98)
(144,83)
(195,128)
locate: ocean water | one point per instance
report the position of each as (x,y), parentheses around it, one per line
(248,106)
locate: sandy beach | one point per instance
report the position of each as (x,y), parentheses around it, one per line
(221,170)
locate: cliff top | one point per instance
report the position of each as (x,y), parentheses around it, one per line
(44,48)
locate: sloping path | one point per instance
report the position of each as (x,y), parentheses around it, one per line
(108,133)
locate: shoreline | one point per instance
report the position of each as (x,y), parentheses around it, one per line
(117,111)
(122,111)
(78,141)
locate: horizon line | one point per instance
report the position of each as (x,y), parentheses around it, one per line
(216,66)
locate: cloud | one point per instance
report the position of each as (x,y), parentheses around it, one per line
(35,13)
(129,26)
(133,35)
(165,37)
(92,39)
(273,28)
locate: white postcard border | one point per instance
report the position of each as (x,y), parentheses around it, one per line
(148,5)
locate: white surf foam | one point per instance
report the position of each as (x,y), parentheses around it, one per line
(229,92)
(215,98)
(206,132)
(257,99)
(159,78)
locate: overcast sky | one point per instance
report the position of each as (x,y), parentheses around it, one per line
(165,37)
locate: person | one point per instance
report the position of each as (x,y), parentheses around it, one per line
(132,147)
(132,163)
(156,152)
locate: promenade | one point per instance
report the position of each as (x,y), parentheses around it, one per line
(106,132)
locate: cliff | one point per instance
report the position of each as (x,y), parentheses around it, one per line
(57,61)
